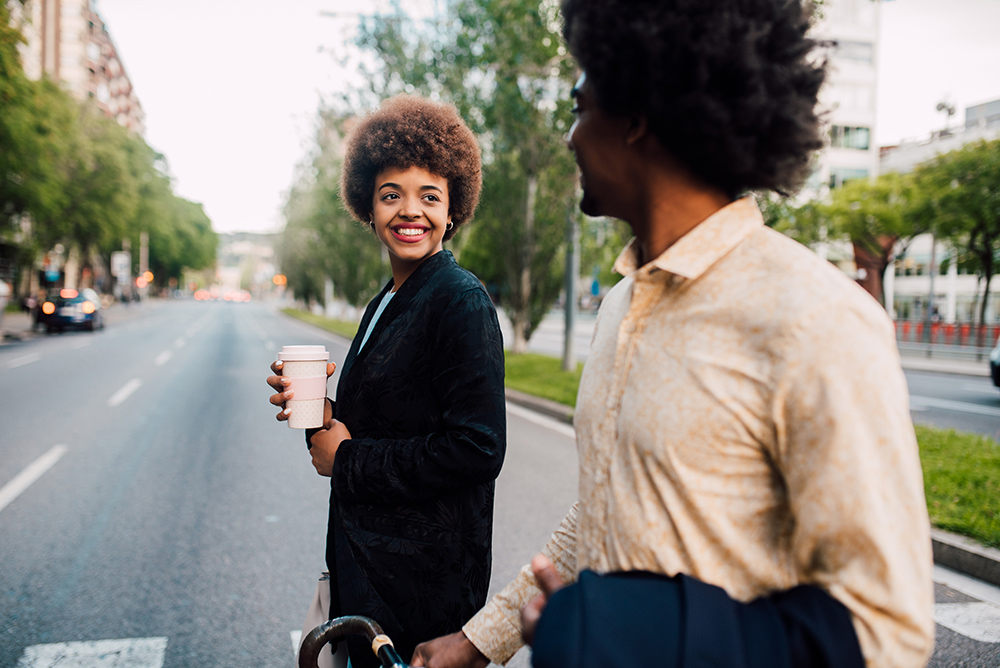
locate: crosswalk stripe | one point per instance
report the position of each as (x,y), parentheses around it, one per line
(979,621)
(126,653)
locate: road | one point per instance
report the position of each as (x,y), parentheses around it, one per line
(153,513)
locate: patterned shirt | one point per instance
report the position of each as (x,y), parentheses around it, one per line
(743,418)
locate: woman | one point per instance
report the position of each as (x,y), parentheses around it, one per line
(416,436)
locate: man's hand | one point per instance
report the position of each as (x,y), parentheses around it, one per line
(451,651)
(324,444)
(549,582)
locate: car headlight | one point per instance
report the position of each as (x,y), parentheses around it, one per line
(88,308)
(48,308)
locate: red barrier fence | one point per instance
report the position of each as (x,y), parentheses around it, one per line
(961,334)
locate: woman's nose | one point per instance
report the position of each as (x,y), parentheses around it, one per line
(410,208)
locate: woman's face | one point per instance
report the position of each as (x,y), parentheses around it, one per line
(410,214)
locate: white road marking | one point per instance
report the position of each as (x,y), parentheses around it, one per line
(967,585)
(128,653)
(163,358)
(269,345)
(179,343)
(979,621)
(21,361)
(543,420)
(124,392)
(924,403)
(29,475)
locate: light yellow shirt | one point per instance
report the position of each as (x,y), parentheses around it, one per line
(743,418)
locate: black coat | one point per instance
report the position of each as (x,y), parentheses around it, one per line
(411,508)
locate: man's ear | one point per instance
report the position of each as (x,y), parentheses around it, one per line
(638,126)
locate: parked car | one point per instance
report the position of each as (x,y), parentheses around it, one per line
(995,364)
(68,308)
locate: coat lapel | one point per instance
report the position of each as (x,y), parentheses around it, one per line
(404,296)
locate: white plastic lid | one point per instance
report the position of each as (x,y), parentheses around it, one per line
(303,353)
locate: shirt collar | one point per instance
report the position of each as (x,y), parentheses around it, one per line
(704,245)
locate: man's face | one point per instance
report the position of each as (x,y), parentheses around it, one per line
(597,141)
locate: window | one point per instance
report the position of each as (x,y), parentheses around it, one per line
(841,175)
(860,52)
(842,136)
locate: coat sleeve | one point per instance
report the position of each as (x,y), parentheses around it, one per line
(468,447)
(629,619)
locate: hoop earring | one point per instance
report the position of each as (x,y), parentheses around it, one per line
(449,225)
(371,224)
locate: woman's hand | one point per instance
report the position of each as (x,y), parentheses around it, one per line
(282,394)
(324,444)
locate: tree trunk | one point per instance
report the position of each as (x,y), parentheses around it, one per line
(521,320)
(874,263)
(981,330)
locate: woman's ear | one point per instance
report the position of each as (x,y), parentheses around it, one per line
(638,126)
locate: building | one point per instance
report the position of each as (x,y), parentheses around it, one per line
(68,41)
(850,28)
(908,281)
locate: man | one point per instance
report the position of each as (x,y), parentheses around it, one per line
(750,487)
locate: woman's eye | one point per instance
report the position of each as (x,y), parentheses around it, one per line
(433,198)
(389,196)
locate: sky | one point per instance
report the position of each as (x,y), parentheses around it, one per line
(230,88)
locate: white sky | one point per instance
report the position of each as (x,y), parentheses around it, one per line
(230,88)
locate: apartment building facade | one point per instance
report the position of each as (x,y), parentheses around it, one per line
(68,42)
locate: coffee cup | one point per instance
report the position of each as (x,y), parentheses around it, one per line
(305,366)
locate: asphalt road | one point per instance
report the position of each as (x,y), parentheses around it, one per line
(153,513)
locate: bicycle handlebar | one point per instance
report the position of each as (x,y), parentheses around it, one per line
(344,626)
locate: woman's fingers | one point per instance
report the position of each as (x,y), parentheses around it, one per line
(283,415)
(280,398)
(330,368)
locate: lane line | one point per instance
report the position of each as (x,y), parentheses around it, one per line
(179,343)
(163,358)
(21,361)
(124,392)
(923,403)
(29,475)
(126,653)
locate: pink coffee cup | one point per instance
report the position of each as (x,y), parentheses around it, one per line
(305,366)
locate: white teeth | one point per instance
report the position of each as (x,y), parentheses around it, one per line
(410,231)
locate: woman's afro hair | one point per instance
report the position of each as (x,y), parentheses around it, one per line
(729,87)
(410,131)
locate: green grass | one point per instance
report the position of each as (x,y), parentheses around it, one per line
(542,376)
(961,471)
(962,482)
(344,328)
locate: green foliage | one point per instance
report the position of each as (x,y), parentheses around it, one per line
(962,482)
(960,190)
(321,240)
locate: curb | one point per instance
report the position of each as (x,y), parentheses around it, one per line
(552,409)
(950,550)
(966,556)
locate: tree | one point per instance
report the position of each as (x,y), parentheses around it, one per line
(962,190)
(875,216)
(320,240)
(503,64)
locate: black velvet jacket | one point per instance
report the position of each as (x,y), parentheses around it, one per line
(411,508)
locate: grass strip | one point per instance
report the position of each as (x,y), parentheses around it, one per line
(961,471)
(344,328)
(962,482)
